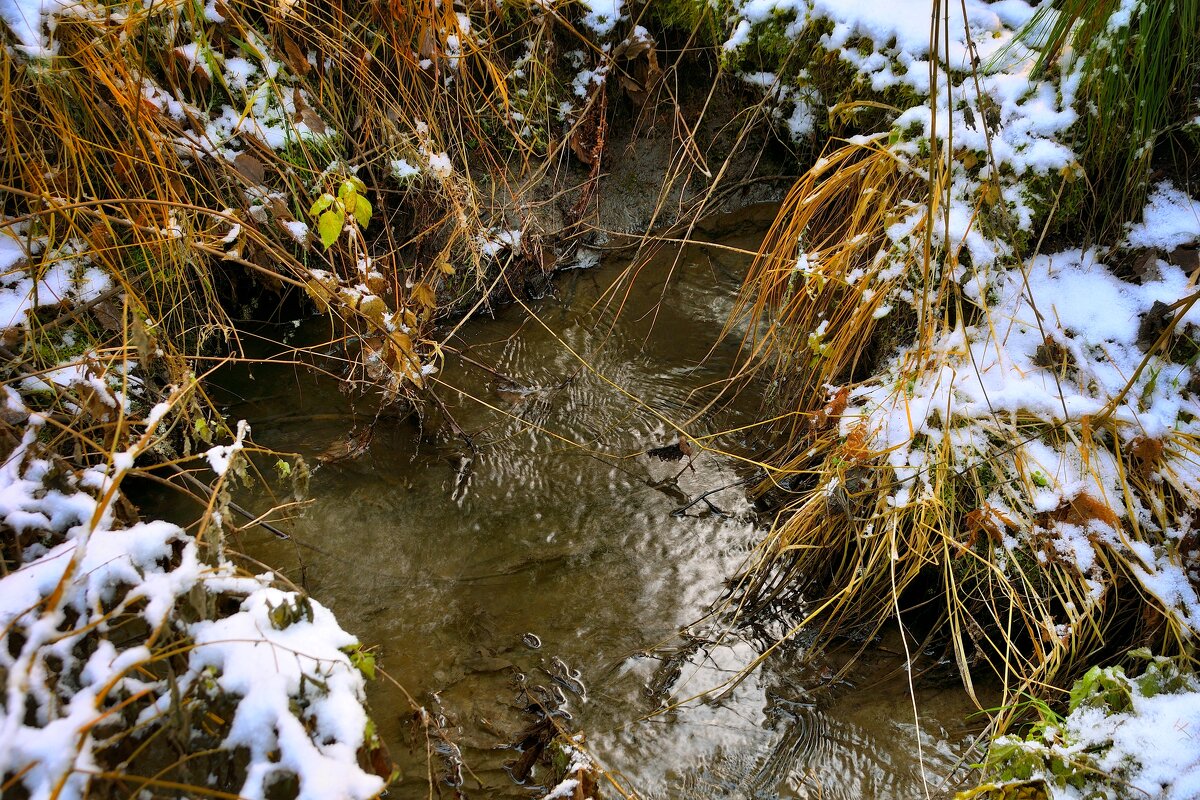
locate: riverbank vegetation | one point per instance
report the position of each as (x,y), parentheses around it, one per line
(983,335)
(973,326)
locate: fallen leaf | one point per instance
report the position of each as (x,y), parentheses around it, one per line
(296,58)
(250,168)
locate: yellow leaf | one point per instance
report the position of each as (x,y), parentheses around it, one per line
(373,308)
(320,295)
(990,191)
(444,266)
(424,295)
(402,343)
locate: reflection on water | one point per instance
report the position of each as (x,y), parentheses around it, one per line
(552,542)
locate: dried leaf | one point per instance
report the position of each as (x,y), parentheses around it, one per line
(108,314)
(352,446)
(250,168)
(296,59)
(428,47)
(424,295)
(640,73)
(856,443)
(373,308)
(314,122)
(582,139)
(1186,258)
(142,341)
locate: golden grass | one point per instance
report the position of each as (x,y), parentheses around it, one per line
(846,556)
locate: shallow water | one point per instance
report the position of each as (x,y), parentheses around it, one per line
(560,526)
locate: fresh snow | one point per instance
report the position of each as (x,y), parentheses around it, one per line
(1171,219)
(602,15)
(298,698)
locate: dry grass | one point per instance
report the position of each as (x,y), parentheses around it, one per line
(952,546)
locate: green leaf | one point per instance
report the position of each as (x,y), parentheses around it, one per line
(329,226)
(362,211)
(283,468)
(358,185)
(323,202)
(363,660)
(200,424)
(1083,687)
(347,192)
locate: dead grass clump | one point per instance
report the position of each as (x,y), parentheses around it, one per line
(1011,481)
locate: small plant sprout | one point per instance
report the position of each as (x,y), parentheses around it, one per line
(331,212)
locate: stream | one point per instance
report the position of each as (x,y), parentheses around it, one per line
(558,552)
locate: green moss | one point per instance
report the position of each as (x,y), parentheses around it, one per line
(313,153)
(711,22)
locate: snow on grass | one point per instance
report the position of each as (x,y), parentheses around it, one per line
(1037,398)
(1057,346)
(64,275)
(1006,127)
(74,666)
(1123,737)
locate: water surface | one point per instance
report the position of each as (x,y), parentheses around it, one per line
(552,542)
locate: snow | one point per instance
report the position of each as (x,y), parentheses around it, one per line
(238,72)
(66,275)
(740,36)
(1138,739)
(580,763)
(495,241)
(602,15)
(12,252)
(295,691)
(404,171)
(1171,219)
(297,230)
(267,666)
(32,23)
(440,165)
(1159,735)
(588,80)
(221,456)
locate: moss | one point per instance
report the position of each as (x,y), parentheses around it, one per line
(1039,192)
(711,24)
(308,153)
(66,344)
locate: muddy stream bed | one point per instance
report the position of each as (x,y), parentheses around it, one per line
(560,554)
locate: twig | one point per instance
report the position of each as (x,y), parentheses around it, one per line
(201,486)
